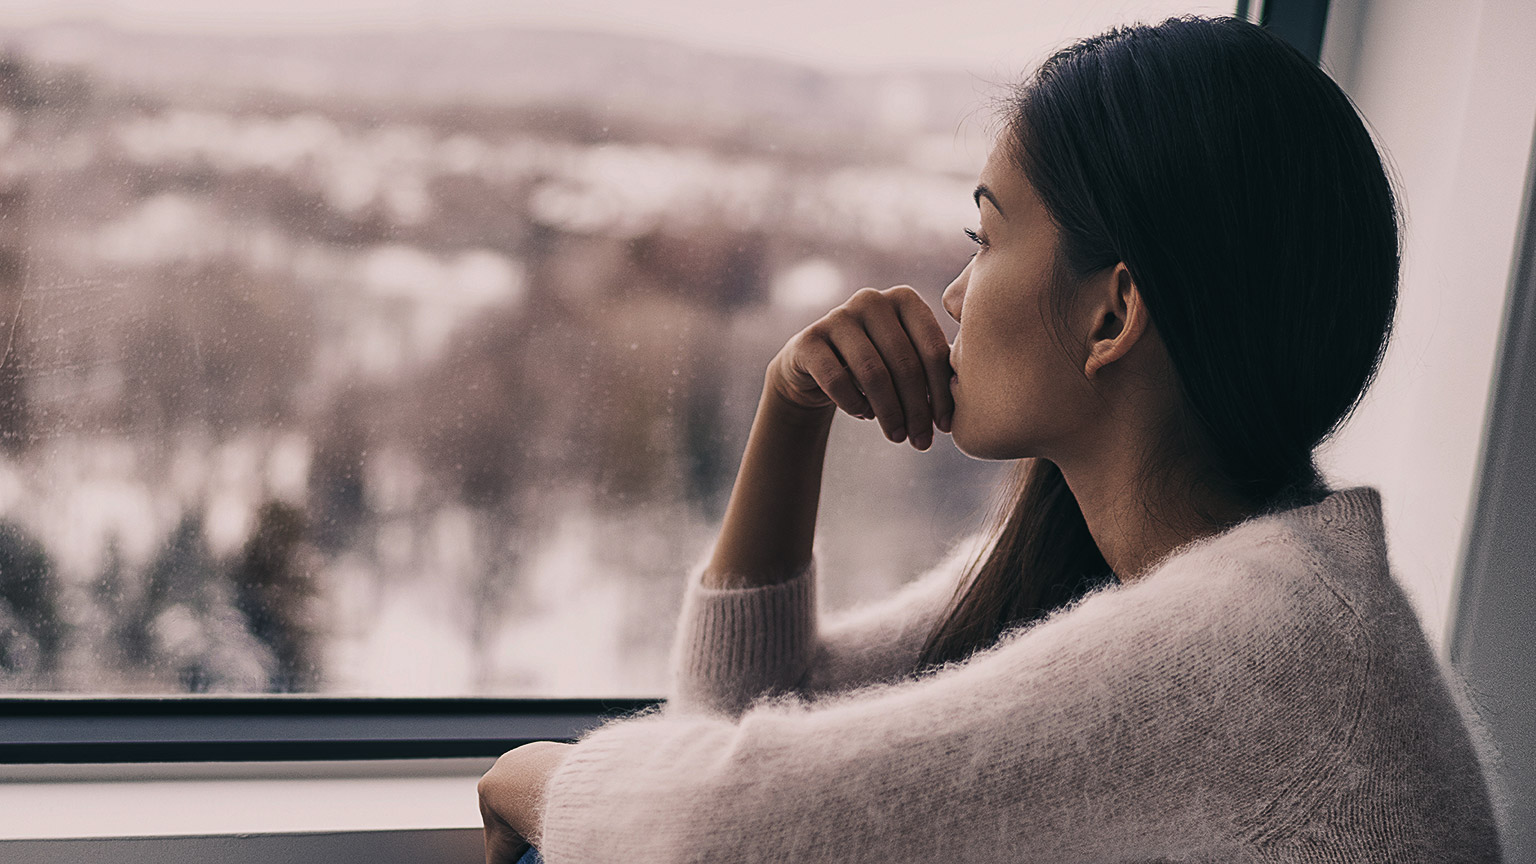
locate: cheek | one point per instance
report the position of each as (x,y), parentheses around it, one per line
(1015,395)
(996,395)
(1002,350)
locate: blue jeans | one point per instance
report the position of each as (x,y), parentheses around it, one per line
(531,857)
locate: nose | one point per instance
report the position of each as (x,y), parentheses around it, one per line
(954,295)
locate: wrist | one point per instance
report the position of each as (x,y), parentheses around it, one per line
(780,408)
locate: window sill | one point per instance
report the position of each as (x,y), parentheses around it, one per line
(377,811)
(443,846)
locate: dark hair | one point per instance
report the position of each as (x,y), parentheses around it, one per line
(1245,196)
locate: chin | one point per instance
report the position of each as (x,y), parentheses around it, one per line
(976,448)
(977,444)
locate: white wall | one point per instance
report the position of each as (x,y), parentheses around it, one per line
(1449,88)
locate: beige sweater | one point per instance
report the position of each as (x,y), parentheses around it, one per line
(1266,694)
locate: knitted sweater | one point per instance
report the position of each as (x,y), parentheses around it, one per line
(1263,695)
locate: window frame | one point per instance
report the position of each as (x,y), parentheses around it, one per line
(271,728)
(1299,22)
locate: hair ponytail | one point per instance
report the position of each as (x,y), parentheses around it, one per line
(1043,534)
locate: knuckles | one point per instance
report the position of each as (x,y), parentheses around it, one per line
(493,776)
(483,791)
(907,366)
(867,296)
(869,370)
(837,317)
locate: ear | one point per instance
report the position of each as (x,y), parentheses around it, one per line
(1117,318)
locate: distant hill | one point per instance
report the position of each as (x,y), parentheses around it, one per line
(630,76)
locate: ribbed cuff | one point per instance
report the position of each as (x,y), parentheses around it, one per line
(735,644)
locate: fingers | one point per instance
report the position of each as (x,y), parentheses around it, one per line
(826,368)
(908,394)
(845,334)
(880,355)
(503,847)
(932,348)
(868,367)
(898,358)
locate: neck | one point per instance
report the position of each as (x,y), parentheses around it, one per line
(1136,528)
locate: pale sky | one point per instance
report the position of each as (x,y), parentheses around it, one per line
(972,34)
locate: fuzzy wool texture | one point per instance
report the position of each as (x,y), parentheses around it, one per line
(1264,695)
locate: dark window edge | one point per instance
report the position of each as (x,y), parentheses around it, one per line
(1299,22)
(68,729)
(378,846)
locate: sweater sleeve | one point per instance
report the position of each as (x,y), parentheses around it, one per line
(735,645)
(1142,721)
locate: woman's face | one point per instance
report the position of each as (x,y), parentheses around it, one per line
(1017,391)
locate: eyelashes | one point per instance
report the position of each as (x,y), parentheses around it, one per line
(977,238)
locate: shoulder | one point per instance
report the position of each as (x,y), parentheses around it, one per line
(1269,614)
(1268,584)
(1325,563)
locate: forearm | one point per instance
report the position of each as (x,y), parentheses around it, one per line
(770,521)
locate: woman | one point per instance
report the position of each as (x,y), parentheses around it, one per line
(1180,644)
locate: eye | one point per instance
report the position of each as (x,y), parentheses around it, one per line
(979,240)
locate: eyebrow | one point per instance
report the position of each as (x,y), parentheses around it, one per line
(983,192)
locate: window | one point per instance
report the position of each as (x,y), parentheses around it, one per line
(354,350)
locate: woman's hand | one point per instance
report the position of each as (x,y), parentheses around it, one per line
(512,798)
(881,354)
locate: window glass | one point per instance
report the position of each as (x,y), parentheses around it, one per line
(405,348)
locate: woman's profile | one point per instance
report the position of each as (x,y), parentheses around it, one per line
(1177,642)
